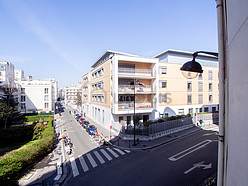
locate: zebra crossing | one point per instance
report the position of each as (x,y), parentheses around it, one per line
(95,158)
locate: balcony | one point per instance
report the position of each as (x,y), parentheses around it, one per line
(135,72)
(125,106)
(138,89)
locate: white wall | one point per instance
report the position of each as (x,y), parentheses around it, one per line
(237,65)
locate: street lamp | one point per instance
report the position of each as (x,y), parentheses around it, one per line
(191,69)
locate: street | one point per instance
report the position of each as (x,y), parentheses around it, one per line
(186,161)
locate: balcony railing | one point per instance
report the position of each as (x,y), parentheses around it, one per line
(136,71)
(122,106)
(138,88)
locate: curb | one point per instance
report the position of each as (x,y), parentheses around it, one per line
(157,145)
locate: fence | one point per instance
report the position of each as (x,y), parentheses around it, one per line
(157,130)
(209,118)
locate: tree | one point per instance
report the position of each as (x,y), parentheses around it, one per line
(8,107)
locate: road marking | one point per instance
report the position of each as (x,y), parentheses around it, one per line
(198,165)
(112,152)
(74,167)
(118,150)
(128,151)
(189,150)
(83,163)
(106,154)
(92,161)
(99,157)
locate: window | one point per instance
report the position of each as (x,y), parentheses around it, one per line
(46,98)
(190,110)
(103,116)
(23,106)
(210,87)
(210,75)
(162,98)
(46,90)
(200,86)
(200,76)
(205,109)
(22,90)
(189,99)
(180,111)
(46,105)
(210,98)
(120,119)
(22,98)
(189,86)
(162,70)
(200,109)
(200,98)
(163,84)
(196,110)
(213,109)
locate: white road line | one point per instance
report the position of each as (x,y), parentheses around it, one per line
(83,163)
(112,152)
(92,161)
(189,150)
(128,151)
(74,167)
(99,157)
(106,154)
(118,150)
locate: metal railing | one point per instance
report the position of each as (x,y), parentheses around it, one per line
(138,88)
(157,128)
(130,105)
(137,71)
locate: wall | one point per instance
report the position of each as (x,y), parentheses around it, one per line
(237,55)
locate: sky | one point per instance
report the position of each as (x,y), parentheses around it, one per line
(62,39)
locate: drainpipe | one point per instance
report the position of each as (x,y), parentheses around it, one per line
(221,180)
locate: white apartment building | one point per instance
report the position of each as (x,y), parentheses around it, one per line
(7,75)
(19,74)
(37,96)
(73,94)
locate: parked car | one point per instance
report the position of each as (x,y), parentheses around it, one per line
(77,117)
(81,120)
(85,124)
(91,129)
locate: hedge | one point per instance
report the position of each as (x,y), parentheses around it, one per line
(15,162)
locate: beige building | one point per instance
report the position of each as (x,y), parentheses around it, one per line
(156,84)
(178,95)
(73,94)
(110,87)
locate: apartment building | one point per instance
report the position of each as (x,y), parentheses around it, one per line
(178,95)
(37,96)
(73,94)
(7,74)
(115,81)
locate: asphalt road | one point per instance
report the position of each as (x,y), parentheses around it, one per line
(186,161)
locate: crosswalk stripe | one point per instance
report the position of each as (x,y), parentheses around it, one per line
(92,161)
(83,163)
(128,151)
(118,150)
(112,152)
(99,157)
(74,167)
(106,154)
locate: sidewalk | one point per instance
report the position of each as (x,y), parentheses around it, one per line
(116,141)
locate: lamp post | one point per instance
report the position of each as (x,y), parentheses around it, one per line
(135,81)
(191,69)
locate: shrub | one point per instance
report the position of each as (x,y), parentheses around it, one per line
(18,160)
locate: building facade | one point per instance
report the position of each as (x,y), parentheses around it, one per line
(178,95)
(121,84)
(37,96)
(109,89)
(7,74)
(73,94)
